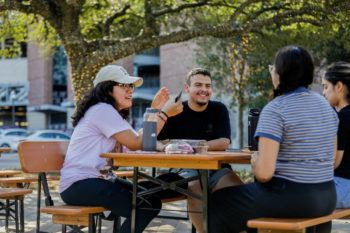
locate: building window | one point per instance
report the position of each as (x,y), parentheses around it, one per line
(150,75)
(59,76)
(13,49)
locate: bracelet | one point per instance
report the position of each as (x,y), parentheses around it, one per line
(165,120)
(165,114)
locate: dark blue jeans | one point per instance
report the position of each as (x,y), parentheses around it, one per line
(232,207)
(115,197)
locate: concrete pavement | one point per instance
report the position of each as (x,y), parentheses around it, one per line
(157,225)
(10,161)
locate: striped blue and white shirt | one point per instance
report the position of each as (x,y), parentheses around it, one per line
(305,125)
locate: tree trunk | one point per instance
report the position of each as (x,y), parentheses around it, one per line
(240,124)
(82,77)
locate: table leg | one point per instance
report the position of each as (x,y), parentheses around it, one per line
(205,190)
(134,200)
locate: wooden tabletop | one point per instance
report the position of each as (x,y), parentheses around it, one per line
(212,160)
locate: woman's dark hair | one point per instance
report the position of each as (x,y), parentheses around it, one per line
(339,72)
(295,68)
(99,94)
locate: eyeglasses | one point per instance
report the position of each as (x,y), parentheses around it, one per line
(126,86)
(271,67)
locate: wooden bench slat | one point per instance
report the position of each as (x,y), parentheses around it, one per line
(126,174)
(13,180)
(180,198)
(295,224)
(72,210)
(6,173)
(11,193)
(77,220)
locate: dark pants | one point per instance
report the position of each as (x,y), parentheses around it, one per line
(115,197)
(232,207)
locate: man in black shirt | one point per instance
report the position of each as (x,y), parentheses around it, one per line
(202,119)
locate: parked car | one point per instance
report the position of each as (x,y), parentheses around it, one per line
(48,135)
(11,137)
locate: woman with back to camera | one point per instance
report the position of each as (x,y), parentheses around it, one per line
(100,127)
(294,164)
(336,89)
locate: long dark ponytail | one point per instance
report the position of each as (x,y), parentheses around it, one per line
(295,68)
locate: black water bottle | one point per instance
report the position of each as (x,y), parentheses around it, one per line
(149,138)
(253,118)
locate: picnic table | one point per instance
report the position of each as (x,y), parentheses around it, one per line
(201,162)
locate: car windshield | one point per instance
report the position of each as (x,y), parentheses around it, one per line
(16,133)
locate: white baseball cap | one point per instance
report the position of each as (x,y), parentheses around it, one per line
(117,74)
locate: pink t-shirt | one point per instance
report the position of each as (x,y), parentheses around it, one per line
(91,138)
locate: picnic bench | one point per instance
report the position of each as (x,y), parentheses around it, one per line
(294,225)
(9,173)
(18,212)
(42,157)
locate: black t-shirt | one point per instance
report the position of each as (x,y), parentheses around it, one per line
(210,124)
(343,170)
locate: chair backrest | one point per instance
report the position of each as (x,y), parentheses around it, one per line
(42,156)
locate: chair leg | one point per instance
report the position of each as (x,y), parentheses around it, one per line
(16,215)
(99,223)
(117,224)
(7,214)
(193,230)
(38,206)
(21,218)
(92,228)
(64,228)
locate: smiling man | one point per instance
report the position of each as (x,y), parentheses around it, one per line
(205,119)
(201,118)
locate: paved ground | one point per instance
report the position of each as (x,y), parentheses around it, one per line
(10,161)
(157,225)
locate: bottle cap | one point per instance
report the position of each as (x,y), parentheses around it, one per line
(151,110)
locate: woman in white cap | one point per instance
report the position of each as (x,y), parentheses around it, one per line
(100,127)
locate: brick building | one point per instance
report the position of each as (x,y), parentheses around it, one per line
(40,89)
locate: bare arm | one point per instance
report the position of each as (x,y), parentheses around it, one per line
(133,141)
(264,164)
(338,154)
(218,144)
(129,139)
(338,157)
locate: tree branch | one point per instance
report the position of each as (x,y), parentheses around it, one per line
(267,9)
(106,27)
(180,8)
(242,7)
(291,16)
(76,3)
(150,20)
(113,50)
(16,5)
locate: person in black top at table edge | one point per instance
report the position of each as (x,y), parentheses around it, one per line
(336,89)
(205,119)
